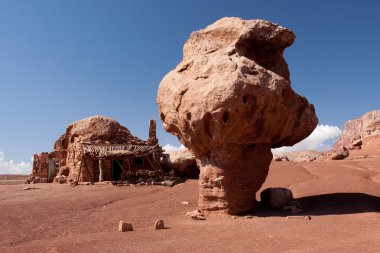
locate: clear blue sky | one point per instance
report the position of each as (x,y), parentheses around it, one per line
(61,61)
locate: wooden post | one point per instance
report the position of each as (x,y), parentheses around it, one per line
(100,170)
(151,165)
(88,173)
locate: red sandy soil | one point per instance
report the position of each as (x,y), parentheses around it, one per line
(342,198)
(6,179)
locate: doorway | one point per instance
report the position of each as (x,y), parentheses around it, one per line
(117,169)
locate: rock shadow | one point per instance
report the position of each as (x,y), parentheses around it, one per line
(329,204)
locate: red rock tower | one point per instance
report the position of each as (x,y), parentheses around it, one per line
(152,139)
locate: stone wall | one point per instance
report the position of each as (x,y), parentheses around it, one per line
(68,150)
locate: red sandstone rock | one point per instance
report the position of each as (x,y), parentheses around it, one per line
(125,226)
(276,197)
(67,159)
(230,102)
(183,163)
(340,153)
(357,129)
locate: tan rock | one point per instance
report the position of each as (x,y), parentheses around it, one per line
(159,224)
(183,163)
(125,226)
(340,153)
(230,102)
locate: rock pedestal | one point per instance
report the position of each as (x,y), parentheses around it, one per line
(230,177)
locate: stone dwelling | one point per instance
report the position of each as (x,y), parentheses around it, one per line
(99,149)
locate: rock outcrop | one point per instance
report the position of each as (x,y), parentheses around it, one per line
(98,148)
(230,101)
(356,130)
(183,163)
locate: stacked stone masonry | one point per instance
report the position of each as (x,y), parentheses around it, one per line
(99,131)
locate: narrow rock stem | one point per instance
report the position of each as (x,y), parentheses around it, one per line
(230,176)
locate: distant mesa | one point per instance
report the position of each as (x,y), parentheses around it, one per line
(358,132)
(362,134)
(230,101)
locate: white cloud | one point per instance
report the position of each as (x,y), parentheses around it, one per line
(320,139)
(170,148)
(11,167)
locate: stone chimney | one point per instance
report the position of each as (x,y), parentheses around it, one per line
(152,140)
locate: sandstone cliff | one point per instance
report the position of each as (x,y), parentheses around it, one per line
(359,129)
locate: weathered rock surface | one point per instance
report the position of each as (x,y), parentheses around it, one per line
(298,156)
(280,158)
(183,163)
(276,197)
(125,226)
(359,129)
(159,224)
(340,153)
(230,102)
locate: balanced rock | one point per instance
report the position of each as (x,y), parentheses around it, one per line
(230,101)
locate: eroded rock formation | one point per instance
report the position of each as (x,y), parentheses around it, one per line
(230,101)
(356,131)
(183,163)
(68,161)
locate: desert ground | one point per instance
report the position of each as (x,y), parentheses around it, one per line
(341,197)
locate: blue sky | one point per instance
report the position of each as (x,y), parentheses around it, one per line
(61,61)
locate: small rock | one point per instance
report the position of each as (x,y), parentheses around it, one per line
(298,217)
(169,183)
(29,188)
(191,213)
(292,209)
(195,215)
(159,224)
(248,217)
(125,226)
(185,203)
(233,217)
(198,217)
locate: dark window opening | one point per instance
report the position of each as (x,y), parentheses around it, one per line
(138,161)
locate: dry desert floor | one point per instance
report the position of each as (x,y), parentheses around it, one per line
(341,197)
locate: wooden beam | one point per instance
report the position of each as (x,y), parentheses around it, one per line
(88,172)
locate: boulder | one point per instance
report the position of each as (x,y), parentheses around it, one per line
(356,144)
(159,224)
(280,158)
(340,153)
(125,226)
(183,163)
(230,101)
(276,197)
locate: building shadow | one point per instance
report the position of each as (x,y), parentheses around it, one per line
(329,204)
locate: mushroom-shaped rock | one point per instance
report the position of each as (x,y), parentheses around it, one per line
(230,102)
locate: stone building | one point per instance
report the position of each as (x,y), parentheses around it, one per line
(99,149)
